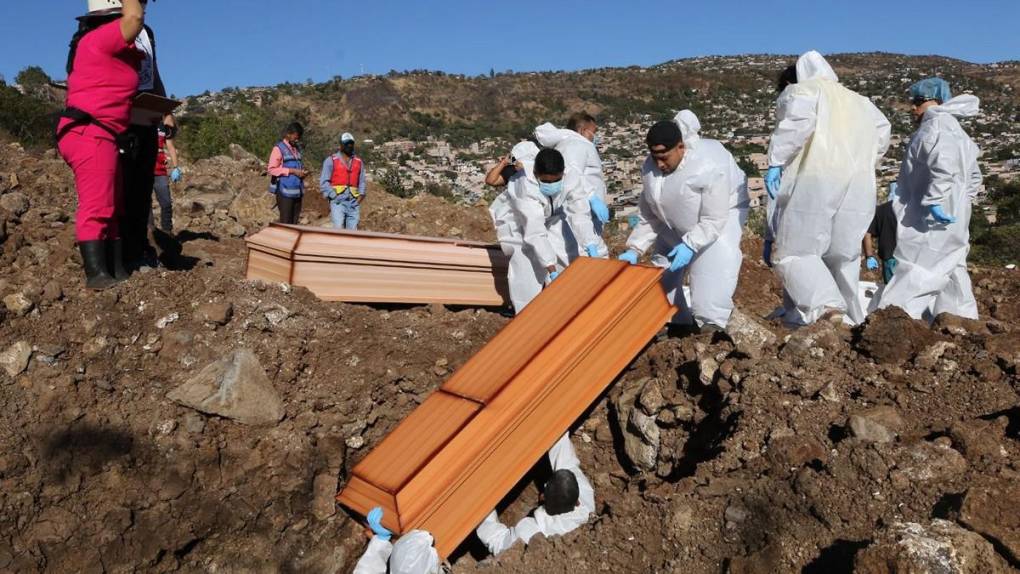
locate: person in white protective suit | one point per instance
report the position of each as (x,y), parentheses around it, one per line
(524,276)
(553,212)
(938,180)
(692,210)
(413,553)
(577,143)
(569,502)
(823,154)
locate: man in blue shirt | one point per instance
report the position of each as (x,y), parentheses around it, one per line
(343,184)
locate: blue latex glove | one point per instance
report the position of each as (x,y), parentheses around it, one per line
(680,257)
(592,249)
(893,188)
(176,175)
(872,263)
(553,275)
(889,269)
(766,254)
(630,256)
(375,523)
(773,177)
(598,207)
(940,215)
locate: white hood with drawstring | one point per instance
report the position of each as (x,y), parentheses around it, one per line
(577,152)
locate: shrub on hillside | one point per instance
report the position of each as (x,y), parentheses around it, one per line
(997,243)
(29,120)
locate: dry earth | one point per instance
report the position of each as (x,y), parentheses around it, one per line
(888,448)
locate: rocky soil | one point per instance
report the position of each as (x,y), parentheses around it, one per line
(189,421)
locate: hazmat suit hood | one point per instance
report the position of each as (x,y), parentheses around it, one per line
(549,135)
(964,106)
(690,126)
(525,153)
(813,66)
(414,554)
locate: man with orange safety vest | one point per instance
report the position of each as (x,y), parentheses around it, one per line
(343,184)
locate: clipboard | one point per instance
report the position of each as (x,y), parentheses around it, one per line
(149,109)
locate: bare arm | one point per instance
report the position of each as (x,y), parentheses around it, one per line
(171,149)
(132,20)
(171,153)
(495,178)
(869,247)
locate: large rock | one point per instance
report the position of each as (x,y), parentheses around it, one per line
(927,462)
(324,489)
(15,359)
(941,547)
(994,511)
(245,157)
(252,210)
(18,304)
(16,203)
(878,424)
(235,387)
(640,433)
(750,336)
(217,313)
(208,202)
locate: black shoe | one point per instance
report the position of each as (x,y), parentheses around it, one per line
(93,257)
(115,259)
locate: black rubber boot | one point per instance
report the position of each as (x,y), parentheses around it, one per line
(93,257)
(115,259)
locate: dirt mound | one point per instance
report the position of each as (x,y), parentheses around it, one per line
(891,336)
(829,447)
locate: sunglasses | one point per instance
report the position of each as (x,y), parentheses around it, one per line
(919,101)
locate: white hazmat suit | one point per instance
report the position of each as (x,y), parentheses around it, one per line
(524,276)
(829,141)
(555,230)
(498,537)
(412,554)
(940,168)
(703,203)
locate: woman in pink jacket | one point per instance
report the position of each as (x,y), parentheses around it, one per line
(102,80)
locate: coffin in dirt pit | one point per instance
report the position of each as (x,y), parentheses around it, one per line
(461,450)
(366,267)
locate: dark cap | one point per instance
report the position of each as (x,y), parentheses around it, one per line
(664,133)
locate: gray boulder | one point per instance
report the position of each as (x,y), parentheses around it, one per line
(235,387)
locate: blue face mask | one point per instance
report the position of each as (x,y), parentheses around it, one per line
(550,189)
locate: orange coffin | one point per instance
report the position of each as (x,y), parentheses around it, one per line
(452,460)
(365,267)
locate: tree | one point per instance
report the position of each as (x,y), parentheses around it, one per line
(748,166)
(391,181)
(30,120)
(32,78)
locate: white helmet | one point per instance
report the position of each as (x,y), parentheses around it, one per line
(100,7)
(106,7)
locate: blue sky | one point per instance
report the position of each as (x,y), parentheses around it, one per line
(211,44)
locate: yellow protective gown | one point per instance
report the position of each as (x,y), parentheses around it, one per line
(829,140)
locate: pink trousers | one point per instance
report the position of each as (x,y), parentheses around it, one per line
(94,159)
